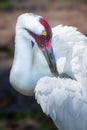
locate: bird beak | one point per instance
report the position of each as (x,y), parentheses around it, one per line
(49,55)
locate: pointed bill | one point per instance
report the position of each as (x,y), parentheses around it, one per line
(49,55)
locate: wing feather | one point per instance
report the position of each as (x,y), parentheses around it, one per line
(63,100)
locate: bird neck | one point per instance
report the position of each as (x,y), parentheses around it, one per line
(22,65)
(23,50)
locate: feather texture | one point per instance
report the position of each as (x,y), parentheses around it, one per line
(65,100)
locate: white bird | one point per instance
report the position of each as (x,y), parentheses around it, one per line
(63,99)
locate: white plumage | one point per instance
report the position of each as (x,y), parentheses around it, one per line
(29,63)
(64,100)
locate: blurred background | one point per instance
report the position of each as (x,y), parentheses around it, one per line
(18,112)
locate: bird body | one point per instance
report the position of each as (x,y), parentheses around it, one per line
(70,46)
(63,99)
(65,102)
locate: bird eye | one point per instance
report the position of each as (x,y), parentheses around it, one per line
(47,33)
(44,33)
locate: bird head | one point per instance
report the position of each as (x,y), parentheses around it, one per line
(40,32)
